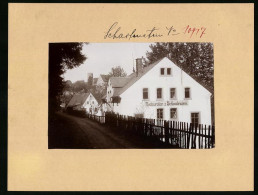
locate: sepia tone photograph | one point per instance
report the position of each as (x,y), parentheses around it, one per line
(131,95)
(131,136)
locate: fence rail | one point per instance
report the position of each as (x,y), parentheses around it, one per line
(99,119)
(175,133)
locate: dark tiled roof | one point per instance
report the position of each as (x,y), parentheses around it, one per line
(119,81)
(104,77)
(78,99)
(116,92)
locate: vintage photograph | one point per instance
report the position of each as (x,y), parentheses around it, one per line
(131,95)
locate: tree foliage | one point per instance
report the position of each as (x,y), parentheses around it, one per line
(80,86)
(194,58)
(117,72)
(62,56)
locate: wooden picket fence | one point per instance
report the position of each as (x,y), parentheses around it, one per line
(99,119)
(174,133)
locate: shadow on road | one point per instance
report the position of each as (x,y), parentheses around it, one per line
(72,132)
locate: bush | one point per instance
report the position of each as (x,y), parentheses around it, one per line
(80,113)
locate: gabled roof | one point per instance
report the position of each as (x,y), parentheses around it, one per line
(104,77)
(131,79)
(119,81)
(78,99)
(126,82)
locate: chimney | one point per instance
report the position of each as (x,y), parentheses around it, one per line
(139,66)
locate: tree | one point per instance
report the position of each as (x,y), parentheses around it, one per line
(62,56)
(194,58)
(80,86)
(117,72)
(68,85)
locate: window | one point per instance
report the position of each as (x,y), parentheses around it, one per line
(162,71)
(92,102)
(187,92)
(168,71)
(165,71)
(173,113)
(195,118)
(172,93)
(160,113)
(159,93)
(145,93)
(87,102)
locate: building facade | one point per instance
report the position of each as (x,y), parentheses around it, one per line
(84,101)
(160,91)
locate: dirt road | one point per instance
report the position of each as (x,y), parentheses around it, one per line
(67,131)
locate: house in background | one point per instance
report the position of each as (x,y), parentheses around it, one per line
(102,80)
(95,81)
(161,90)
(84,101)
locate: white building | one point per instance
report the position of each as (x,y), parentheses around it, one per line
(84,101)
(160,91)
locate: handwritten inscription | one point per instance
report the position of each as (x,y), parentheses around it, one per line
(115,31)
(194,31)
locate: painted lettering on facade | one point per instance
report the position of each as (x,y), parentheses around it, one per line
(168,103)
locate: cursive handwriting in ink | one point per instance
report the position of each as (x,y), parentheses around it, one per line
(114,32)
(172,31)
(197,31)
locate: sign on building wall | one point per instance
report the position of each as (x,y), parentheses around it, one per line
(168,103)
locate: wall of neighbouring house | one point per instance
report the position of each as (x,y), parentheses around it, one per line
(91,104)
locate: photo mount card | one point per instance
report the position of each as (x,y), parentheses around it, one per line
(111,160)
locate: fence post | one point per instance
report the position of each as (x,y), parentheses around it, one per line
(188,135)
(205,139)
(166,127)
(213,136)
(209,136)
(194,131)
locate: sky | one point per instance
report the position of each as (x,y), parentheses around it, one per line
(101,57)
